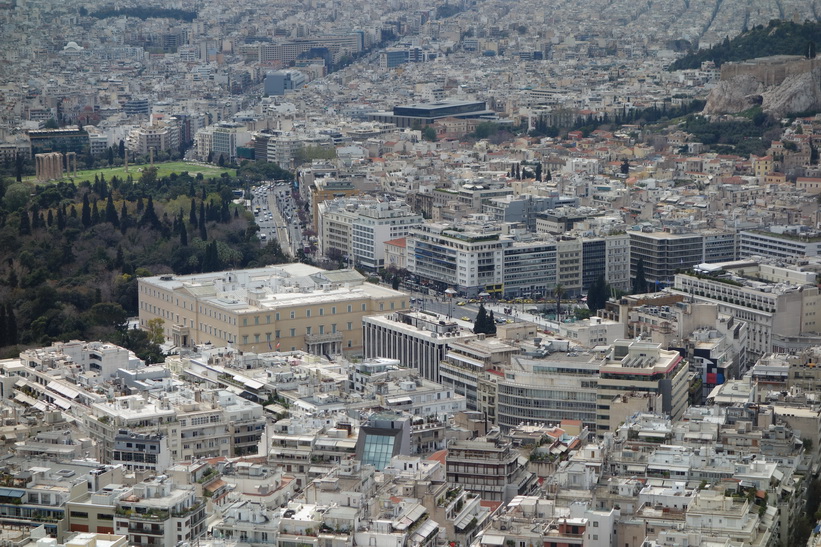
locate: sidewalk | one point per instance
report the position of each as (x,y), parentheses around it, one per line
(517,315)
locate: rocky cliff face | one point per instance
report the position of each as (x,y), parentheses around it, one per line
(797,92)
(734,95)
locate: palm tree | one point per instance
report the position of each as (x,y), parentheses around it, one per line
(558,292)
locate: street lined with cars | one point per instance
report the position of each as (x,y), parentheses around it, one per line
(274,209)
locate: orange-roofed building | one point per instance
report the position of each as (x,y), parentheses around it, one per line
(395,255)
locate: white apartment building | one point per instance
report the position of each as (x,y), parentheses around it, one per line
(197,425)
(469,259)
(593,332)
(778,245)
(160,136)
(771,302)
(530,268)
(359,228)
(377,223)
(448,256)
(642,367)
(161,512)
(547,390)
(221,139)
(98,360)
(283,148)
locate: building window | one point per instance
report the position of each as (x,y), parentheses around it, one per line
(321,311)
(350,308)
(293,332)
(293,315)
(276,316)
(245,339)
(321,329)
(333,310)
(333,328)
(307,330)
(350,325)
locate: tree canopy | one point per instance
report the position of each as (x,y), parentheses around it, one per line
(485,323)
(597,294)
(777,38)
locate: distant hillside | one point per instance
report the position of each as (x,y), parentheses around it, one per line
(777,38)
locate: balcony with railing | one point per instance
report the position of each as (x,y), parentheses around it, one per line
(323,338)
(154,530)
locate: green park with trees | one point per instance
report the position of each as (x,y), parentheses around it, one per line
(71,252)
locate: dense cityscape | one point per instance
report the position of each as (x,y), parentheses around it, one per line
(464,273)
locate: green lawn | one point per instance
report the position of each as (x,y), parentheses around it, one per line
(163,169)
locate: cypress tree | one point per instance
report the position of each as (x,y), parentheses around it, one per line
(11,326)
(192,215)
(183,235)
(212,213)
(480,326)
(72,212)
(125,221)
(95,213)
(150,215)
(86,215)
(35,217)
(61,219)
(111,212)
(50,218)
(25,224)
(597,294)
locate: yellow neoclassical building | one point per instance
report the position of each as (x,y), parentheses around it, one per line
(284,307)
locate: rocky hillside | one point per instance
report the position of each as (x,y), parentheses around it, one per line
(798,90)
